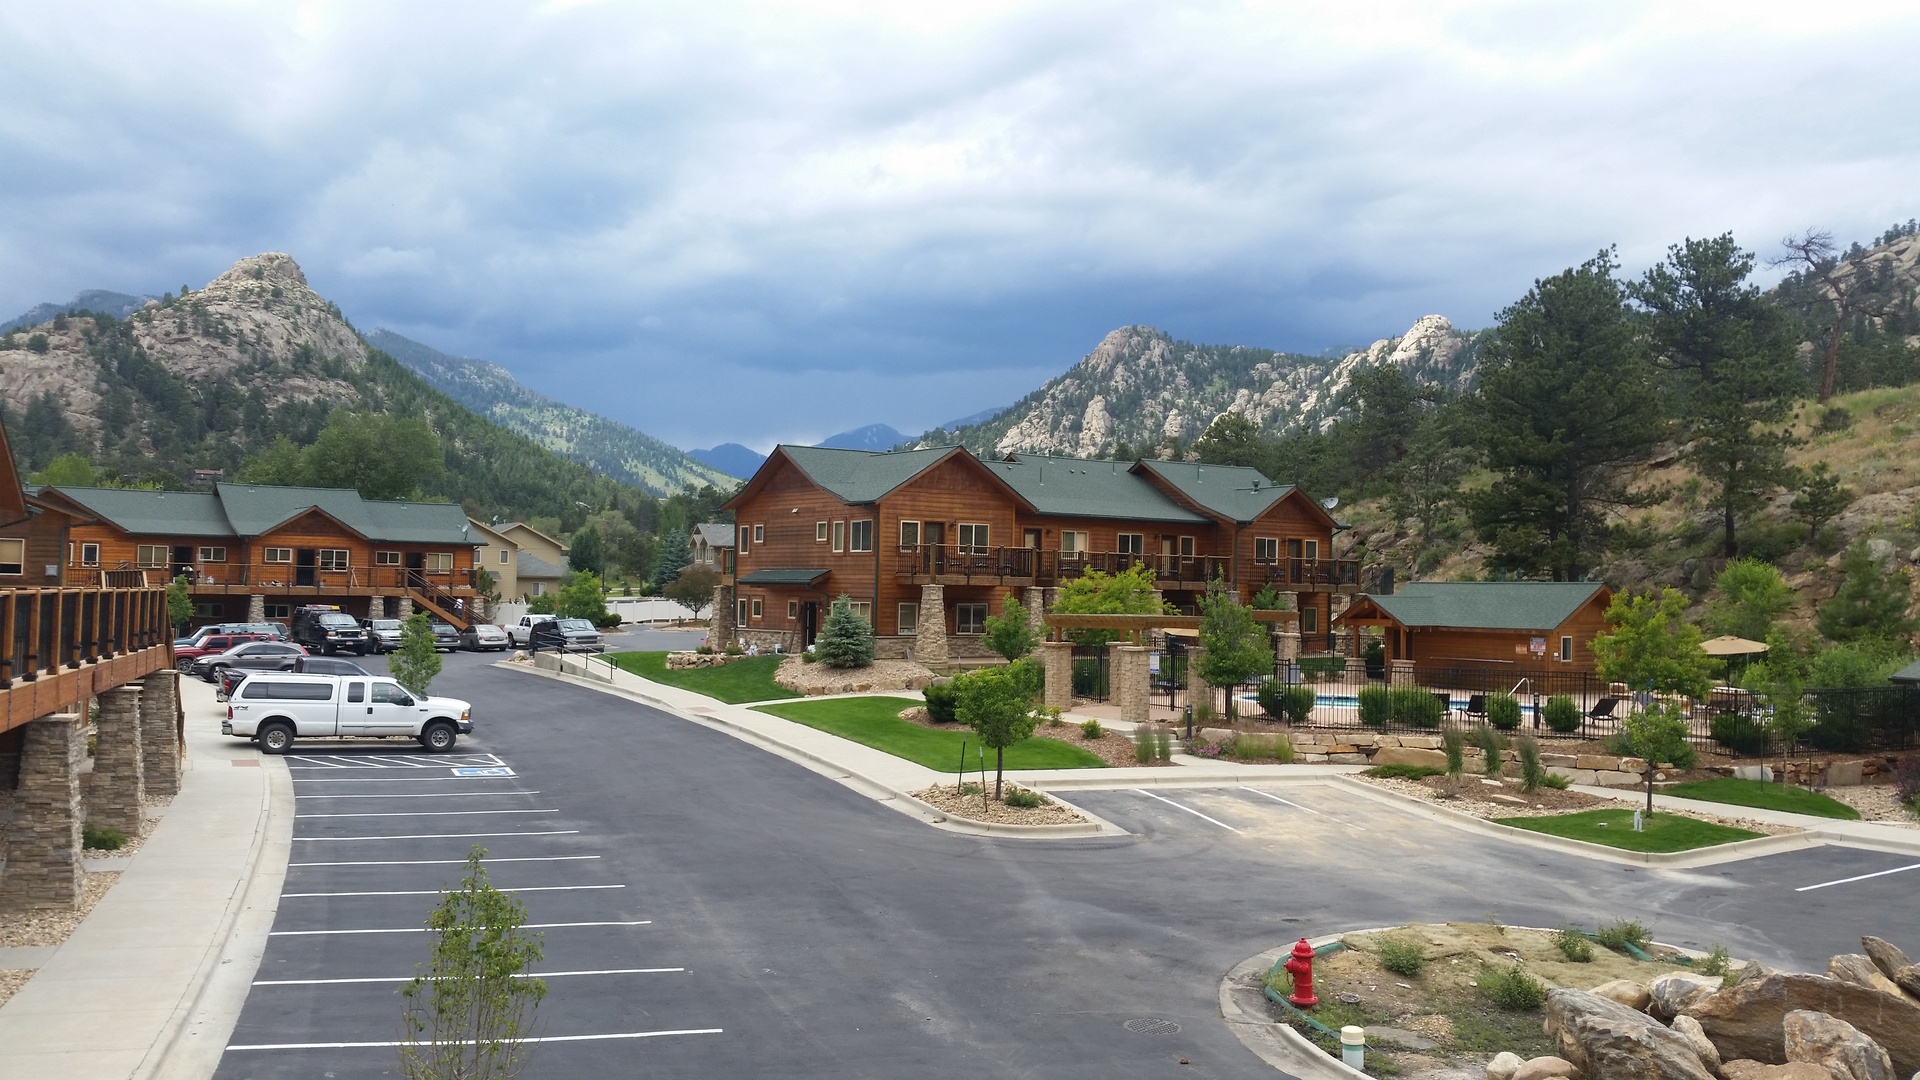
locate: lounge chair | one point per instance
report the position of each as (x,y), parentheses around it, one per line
(1602,710)
(1477,706)
(1446,702)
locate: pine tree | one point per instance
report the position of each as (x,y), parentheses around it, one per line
(584,551)
(1010,633)
(415,663)
(1871,604)
(846,641)
(671,556)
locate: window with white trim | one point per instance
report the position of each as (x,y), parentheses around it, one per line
(1566,650)
(863,609)
(909,535)
(1312,548)
(147,556)
(820,532)
(756,607)
(909,618)
(1130,544)
(740,611)
(333,559)
(1309,620)
(13,557)
(1186,547)
(793,609)
(1266,549)
(970,618)
(438,562)
(974,538)
(760,534)
(277,555)
(504,554)
(860,536)
(89,554)
(386,558)
(213,554)
(1074,544)
(839,536)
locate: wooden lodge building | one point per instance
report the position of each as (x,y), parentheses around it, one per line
(926,543)
(255,552)
(1520,625)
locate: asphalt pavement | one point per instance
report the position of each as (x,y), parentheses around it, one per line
(777,923)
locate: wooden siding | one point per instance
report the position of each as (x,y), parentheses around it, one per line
(46,546)
(246,564)
(1440,647)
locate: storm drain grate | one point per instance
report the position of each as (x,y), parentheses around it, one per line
(1151,1025)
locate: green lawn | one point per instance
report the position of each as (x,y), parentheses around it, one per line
(741,681)
(1766,796)
(1614,828)
(875,722)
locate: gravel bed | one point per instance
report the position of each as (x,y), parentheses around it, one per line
(53,927)
(1876,802)
(884,677)
(11,981)
(974,808)
(1544,802)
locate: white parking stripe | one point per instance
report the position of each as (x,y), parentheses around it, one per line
(435,813)
(317,762)
(470,1042)
(391,779)
(446,836)
(1188,809)
(529,975)
(1859,877)
(448,862)
(438,892)
(1308,809)
(422,929)
(428,795)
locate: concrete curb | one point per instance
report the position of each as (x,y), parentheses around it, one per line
(874,789)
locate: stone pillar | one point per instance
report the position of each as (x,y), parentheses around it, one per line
(1057,659)
(1130,681)
(43,842)
(1198,692)
(377,607)
(1400,673)
(160,733)
(720,623)
(115,795)
(1286,643)
(1034,599)
(406,608)
(930,638)
(256,608)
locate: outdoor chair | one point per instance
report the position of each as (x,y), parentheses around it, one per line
(1446,702)
(1477,707)
(1602,710)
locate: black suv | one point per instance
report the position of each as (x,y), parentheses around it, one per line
(328,630)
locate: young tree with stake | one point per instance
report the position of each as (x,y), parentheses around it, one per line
(997,703)
(417,661)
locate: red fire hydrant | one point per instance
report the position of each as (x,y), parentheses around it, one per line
(1301,968)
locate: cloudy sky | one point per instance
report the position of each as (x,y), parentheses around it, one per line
(758,222)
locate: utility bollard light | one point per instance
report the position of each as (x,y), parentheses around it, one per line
(1353,1047)
(1637,824)
(1300,966)
(1189,723)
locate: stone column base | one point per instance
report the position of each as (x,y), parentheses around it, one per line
(160,733)
(931,635)
(44,871)
(116,795)
(406,608)
(256,608)
(1131,682)
(1057,656)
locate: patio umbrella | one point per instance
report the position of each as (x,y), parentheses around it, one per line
(1728,645)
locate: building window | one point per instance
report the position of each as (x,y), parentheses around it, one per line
(1309,620)
(1266,549)
(334,559)
(793,609)
(909,618)
(970,618)
(503,556)
(745,537)
(1312,548)
(13,557)
(861,538)
(146,556)
(274,555)
(862,609)
(839,536)
(386,558)
(1073,545)
(439,562)
(540,589)
(279,611)
(759,534)
(973,539)
(209,609)
(756,607)
(213,554)
(89,554)
(1566,650)
(740,611)
(1131,544)
(909,535)
(820,532)
(1186,547)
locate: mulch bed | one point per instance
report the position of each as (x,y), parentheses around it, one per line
(966,801)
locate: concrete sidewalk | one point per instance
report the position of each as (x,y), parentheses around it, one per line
(153,980)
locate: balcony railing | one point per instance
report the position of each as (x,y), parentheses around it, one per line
(999,564)
(43,630)
(281,576)
(1311,573)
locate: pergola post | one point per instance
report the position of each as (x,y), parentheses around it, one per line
(1131,680)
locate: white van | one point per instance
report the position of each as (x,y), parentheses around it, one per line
(275,708)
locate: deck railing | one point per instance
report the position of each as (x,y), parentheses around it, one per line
(1310,573)
(997,564)
(45,630)
(278,576)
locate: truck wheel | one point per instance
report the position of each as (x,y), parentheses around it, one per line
(439,737)
(275,738)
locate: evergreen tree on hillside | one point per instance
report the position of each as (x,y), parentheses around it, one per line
(584,552)
(1728,353)
(1870,607)
(1566,407)
(669,558)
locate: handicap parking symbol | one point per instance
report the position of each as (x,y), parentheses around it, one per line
(493,770)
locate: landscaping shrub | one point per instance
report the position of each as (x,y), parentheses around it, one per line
(1620,933)
(1532,772)
(1573,945)
(1142,746)
(100,838)
(1561,714)
(1404,772)
(1716,962)
(735,650)
(1503,711)
(1255,745)
(846,641)
(1091,729)
(1294,704)
(1556,782)
(1025,798)
(1906,784)
(1376,705)
(1494,746)
(1739,733)
(1402,954)
(1456,747)
(1510,987)
(1162,744)
(705,650)
(1320,667)
(807,657)
(943,701)
(1416,707)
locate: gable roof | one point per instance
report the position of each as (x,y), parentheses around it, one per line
(533,566)
(861,476)
(1908,674)
(152,513)
(512,525)
(1233,492)
(717,534)
(243,511)
(1074,487)
(1486,605)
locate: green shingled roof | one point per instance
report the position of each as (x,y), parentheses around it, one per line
(862,476)
(1071,487)
(1908,674)
(155,513)
(782,577)
(1235,493)
(1487,605)
(249,510)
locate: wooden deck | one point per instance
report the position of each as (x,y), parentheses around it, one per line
(61,646)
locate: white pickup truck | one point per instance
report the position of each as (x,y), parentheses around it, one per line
(521,633)
(275,708)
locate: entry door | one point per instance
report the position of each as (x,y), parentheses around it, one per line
(1166,556)
(934,535)
(416,570)
(303,568)
(1030,538)
(183,561)
(809,621)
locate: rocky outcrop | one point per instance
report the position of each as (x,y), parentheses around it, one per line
(1835,1046)
(1747,1019)
(1893,963)
(1605,1039)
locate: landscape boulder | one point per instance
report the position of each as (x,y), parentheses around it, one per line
(1748,1069)
(1406,755)
(1606,1039)
(1504,1065)
(1885,955)
(1625,991)
(1546,1068)
(1746,1020)
(1836,1046)
(1703,1046)
(1669,994)
(1856,968)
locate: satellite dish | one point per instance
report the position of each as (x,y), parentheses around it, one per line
(1330,501)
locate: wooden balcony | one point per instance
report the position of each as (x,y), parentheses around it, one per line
(1310,575)
(61,646)
(952,564)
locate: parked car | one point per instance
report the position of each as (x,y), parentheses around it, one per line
(445,636)
(270,629)
(274,709)
(210,645)
(522,631)
(264,655)
(310,665)
(383,635)
(484,637)
(329,630)
(566,635)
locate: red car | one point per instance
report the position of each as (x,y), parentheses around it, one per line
(211,645)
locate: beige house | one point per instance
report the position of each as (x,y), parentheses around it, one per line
(540,564)
(710,545)
(497,554)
